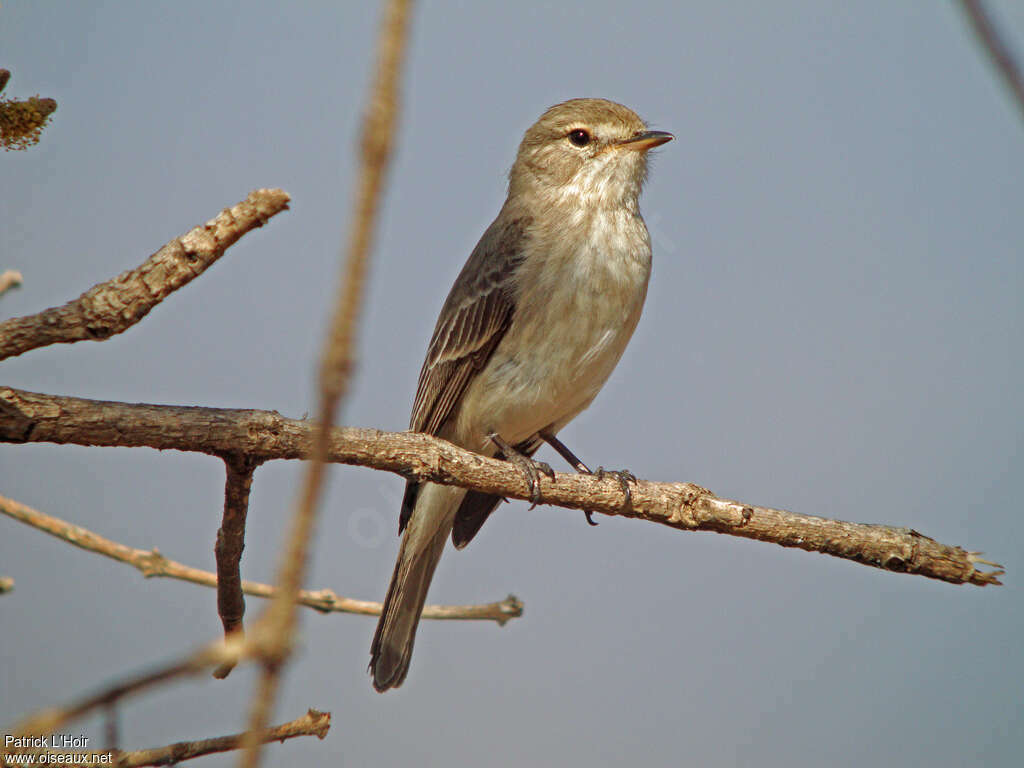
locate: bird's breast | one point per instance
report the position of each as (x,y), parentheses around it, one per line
(579,294)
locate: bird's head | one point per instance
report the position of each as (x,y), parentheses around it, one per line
(588,152)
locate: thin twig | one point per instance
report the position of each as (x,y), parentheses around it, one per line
(230,543)
(49,720)
(118,304)
(27,416)
(313,723)
(996,47)
(336,358)
(152,564)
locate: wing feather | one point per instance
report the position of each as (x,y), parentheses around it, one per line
(475,317)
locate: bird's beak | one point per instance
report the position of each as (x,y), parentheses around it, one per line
(646,140)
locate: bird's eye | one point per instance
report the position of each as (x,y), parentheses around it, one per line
(579,137)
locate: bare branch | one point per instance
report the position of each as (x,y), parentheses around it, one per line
(152,564)
(230,543)
(313,723)
(376,141)
(116,305)
(30,417)
(997,49)
(338,350)
(49,720)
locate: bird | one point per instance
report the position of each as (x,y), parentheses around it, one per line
(532,328)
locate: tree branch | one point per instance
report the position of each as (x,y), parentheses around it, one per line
(31,417)
(49,720)
(230,543)
(997,49)
(336,358)
(116,305)
(152,564)
(313,723)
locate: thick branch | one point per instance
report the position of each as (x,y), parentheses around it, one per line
(116,305)
(153,564)
(30,417)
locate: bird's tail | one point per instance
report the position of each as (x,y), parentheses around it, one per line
(418,555)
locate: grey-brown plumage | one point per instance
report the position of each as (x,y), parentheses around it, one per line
(532,328)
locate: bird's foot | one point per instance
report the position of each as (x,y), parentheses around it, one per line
(531,468)
(625,477)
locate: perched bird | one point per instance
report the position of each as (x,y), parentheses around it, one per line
(534,325)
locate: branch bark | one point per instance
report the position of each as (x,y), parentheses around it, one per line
(119,303)
(313,723)
(152,564)
(32,417)
(230,543)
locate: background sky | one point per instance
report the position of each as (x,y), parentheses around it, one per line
(833,327)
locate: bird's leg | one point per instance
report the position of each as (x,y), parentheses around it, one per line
(565,453)
(529,466)
(624,476)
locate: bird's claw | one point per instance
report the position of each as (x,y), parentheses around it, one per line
(625,477)
(531,468)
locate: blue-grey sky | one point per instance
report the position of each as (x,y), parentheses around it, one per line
(833,326)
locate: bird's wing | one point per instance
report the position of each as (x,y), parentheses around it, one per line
(474,319)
